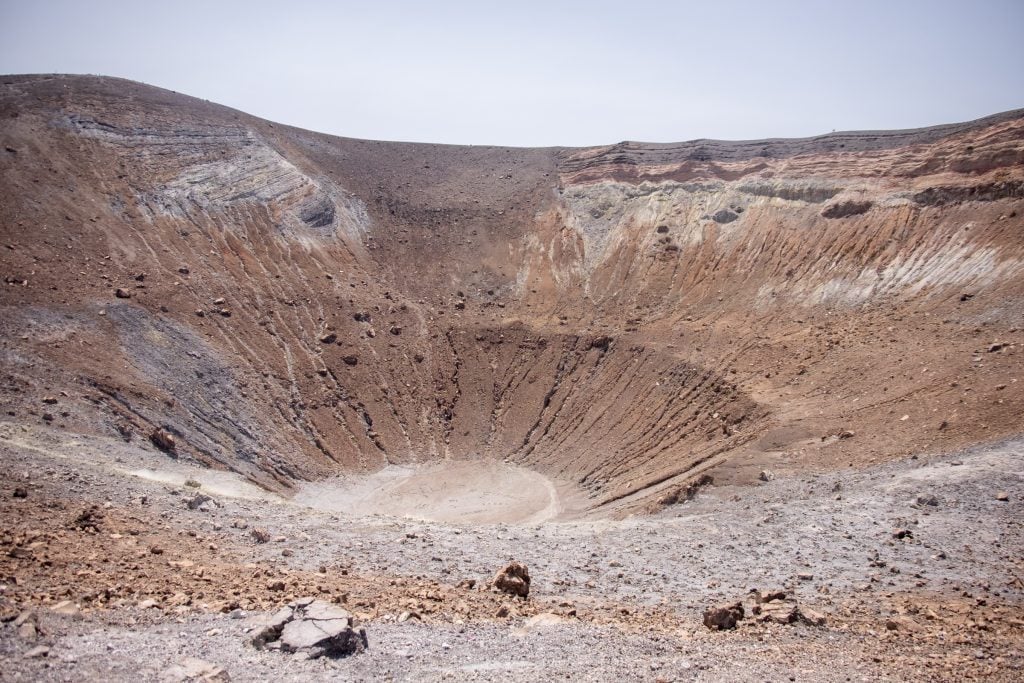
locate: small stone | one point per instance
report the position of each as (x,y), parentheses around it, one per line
(1002,496)
(37,652)
(20,492)
(28,631)
(260,535)
(766,475)
(329,338)
(147,604)
(122,293)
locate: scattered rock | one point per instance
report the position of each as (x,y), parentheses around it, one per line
(66,607)
(26,623)
(350,360)
(724,617)
(1002,496)
(163,440)
(513,579)
(928,499)
(20,492)
(778,612)
(191,670)
(329,338)
(769,596)
(260,535)
(766,475)
(37,652)
(122,293)
(846,209)
(88,519)
(724,216)
(313,627)
(200,501)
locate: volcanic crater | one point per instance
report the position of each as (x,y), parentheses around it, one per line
(486,335)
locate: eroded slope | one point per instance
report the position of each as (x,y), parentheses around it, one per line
(619,319)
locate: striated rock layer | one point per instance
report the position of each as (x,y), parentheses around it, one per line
(622,319)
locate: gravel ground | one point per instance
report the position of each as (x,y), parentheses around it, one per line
(916,565)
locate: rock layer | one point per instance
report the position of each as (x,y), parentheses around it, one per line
(622,319)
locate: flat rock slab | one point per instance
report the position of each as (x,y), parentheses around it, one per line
(314,627)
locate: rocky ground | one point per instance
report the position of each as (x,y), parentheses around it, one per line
(115,565)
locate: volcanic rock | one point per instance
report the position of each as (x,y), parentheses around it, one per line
(513,579)
(724,617)
(163,440)
(313,627)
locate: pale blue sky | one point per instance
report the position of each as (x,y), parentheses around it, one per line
(547,73)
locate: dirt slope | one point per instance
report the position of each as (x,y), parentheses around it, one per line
(621,320)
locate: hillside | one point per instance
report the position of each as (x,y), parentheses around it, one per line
(621,320)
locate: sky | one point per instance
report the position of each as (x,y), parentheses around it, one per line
(528,73)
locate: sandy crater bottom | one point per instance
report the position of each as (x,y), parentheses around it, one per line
(472,492)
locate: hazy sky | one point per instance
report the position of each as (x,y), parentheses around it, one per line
(547,73)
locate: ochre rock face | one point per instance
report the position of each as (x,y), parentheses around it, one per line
(621,319)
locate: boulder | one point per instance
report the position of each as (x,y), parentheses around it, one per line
(313,627)
(197,501)
(513,579)
(724,617)
(163,440)
(779,612)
